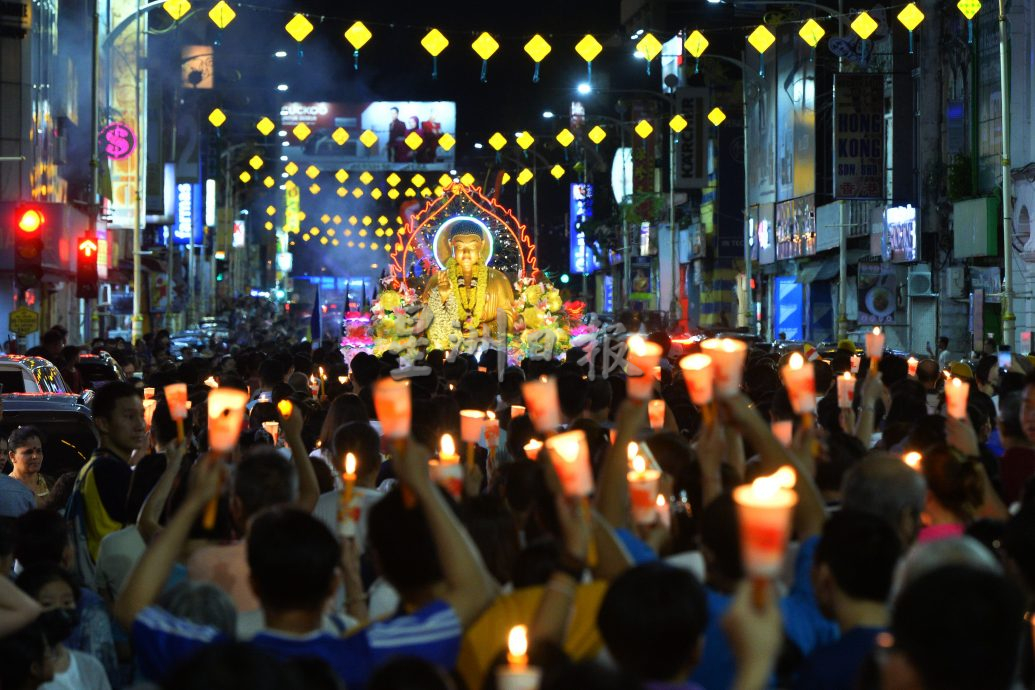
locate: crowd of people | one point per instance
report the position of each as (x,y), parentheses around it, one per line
(168,564)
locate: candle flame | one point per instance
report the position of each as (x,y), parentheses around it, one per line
(728,345)
(913,459)
(956,383)
(313,379)
(796,361)
(632,450)
(912,360)
(321,371)
(343,379)
(695,362)
(490,415)
(285,408)
(661,502)
(211,382)
(848,376)
(767,487)
(639,464)
(637,346)
(517,644)
(350,464)
(446,446)
(543,379)
(876,330)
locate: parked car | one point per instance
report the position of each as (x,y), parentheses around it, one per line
(22,374)
(99,369)
(64,420)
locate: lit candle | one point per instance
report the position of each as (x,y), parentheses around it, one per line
(874,347)
(446,470)
(393,407)
(856,361)
(656,414)
(225,416)
(273,429)
(799,378)
(285,408)
(471,431)
(956,393)
(913,363)
(323,382)
(642,357)
(149,411)
(176,399)
(346,525)
(914,460)
(532,448)
(492,431)
(543,406)
(728,356)
(343,380)
(783,430)
(764,510)
(698,376)
(314,386)
(643,491)
(211,382)
(516,411)
(569,453)
(149,393)
(845,390)
(664,512)
(517,674)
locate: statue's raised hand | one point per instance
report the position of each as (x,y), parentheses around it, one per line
(443,285)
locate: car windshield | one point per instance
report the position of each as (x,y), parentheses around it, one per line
(97,370)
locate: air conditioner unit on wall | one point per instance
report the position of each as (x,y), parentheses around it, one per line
(919,284)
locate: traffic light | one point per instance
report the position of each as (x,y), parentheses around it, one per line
(86,268)
(29,225)
(220,270)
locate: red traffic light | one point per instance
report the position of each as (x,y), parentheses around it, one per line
(30,220)
(88,247)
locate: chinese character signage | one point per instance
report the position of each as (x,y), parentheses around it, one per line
(859,136)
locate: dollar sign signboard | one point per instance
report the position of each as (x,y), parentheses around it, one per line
(117,141)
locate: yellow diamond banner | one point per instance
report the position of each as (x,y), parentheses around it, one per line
(299,27)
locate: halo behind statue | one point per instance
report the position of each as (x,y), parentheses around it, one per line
(423,247)
(441,241)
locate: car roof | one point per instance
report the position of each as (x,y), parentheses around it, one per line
(30,362)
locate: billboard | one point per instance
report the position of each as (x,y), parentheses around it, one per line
(582,259)
(877,291)
(859,136)
(187,223)
(390,121)
(691,166)
(903,240)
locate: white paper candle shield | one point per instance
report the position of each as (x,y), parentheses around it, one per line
(273,429)
(492,430)
(393,407)
(448,475)
(728,357)
(176,399)
(855,360)
(570,455)
(698,375)
(764,510)
(642,357)
(471,425)
(845,390)
(149,411)
(956,392)
(517,674)
(542,403)
(912,363)
(783,430)
(875,343)
(516,411)
(800,381)
(149,393)
(225,415)
(656,414)
(643,492)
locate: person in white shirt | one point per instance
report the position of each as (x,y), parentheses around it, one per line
(361,440)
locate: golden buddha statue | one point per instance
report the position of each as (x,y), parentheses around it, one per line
(468,292)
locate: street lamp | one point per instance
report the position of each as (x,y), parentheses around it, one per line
(584,88)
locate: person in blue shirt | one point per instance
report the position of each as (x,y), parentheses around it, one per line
(852,575)
(294,561)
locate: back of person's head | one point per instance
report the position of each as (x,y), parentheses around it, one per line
(940,553)
(293,558)
(233,665)
(202,603)
(928,431)
(893,369)
(145,476)
(598,396)
(344,409)
(884,486)
(480,388)
(271,372)
(360,439)
(402,544)
(365,369)
(985,366)
(927,372)
(954,480)
(1010,416)
(108,396)
(843,452)
(409,673)
(510,387)
(861,551)
(571,394)
(163,426)
(959,628)
(42,538)
(24,656)
(263,479)
(720,537)
(651,619)
(494,532)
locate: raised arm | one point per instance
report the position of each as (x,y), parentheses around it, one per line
(308,488)
(17,609)
(612,498)
(469,586)
(148,578)
(151,512)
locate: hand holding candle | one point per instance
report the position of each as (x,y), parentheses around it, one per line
(569,453)
(446,470)
(643,491)
(656,414)
(642,357)
(471,431)
(393,407)
(176,399)
(225,416)
(346,525)
(845,390)
(544,408)
(764,510)
(698,376)
(532,448)
(912,363)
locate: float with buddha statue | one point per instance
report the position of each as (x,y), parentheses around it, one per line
(464,277)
